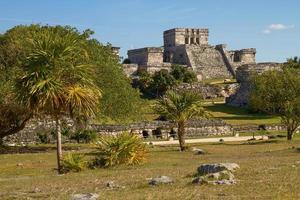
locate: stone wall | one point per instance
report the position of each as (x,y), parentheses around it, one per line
(255,128)
(193,129)
(34,126)
(243,74)
(130,69)
(208,91)
(146,56)
(155,67)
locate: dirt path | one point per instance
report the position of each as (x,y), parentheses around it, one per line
(206,140)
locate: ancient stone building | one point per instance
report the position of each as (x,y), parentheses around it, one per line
(190,47)
(148,58)
(243,74)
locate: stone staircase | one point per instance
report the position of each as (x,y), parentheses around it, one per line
(208,61)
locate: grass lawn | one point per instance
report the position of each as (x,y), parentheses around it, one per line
(239,116)
(268,171)
(219,110)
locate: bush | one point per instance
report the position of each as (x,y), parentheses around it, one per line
(84,136)
(124,148)
(43,138)
(73,163)
(183,74)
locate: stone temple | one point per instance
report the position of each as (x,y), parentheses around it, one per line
(190,47)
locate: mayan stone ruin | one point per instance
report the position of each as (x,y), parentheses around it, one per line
(190,47)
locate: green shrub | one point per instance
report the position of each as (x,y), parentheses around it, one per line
(73,163)
(43,138)
(84,136)
(124,148)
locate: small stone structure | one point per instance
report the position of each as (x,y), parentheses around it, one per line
(146,56)
(150,129)
(243,75)
(190,47)
(161,129)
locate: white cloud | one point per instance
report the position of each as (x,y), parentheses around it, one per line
(277,27)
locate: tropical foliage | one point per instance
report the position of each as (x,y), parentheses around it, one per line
(183,74)
(124,148)
(13,117)
(181,107)
(72,162)
(24,46)
(84,136)
(157,84)
(58,78)
(278,92)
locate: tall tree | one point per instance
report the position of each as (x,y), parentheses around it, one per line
(162,81)
(181,107)
(120,102)
(13,117)
(278,92)
(59,78)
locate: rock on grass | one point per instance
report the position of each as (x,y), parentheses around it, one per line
(161,180)
(88,196)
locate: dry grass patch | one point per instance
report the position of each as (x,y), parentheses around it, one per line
(268,171)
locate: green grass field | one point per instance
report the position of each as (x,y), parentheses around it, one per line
(239,116)
(268,171)
(219,110)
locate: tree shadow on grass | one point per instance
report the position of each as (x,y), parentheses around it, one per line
(236,112)
(36,149)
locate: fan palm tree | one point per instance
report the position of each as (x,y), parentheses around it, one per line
(181,107)
(58,79)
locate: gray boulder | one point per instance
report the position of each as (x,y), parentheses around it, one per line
(88,196)
(216,174)
(217,167)
(218,178)
(161,180)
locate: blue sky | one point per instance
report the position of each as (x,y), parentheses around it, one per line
(271,26)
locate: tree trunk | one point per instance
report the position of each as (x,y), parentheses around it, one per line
(181,133)
(289,133)
(58,146)
(15,128)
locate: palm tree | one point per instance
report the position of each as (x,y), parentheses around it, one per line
(58,79)
(181,107)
